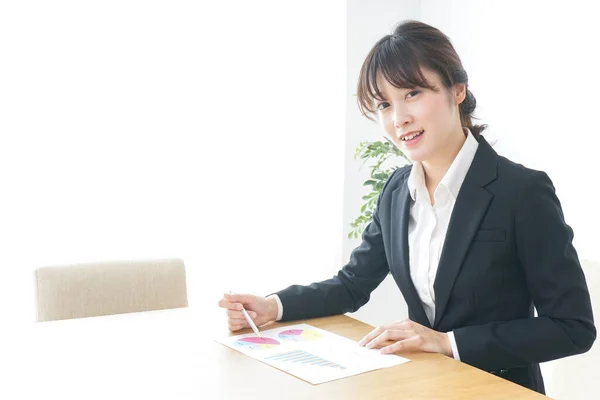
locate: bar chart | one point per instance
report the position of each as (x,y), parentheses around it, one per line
(303,357)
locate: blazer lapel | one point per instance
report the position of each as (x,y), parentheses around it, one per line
(470,208)
(399,237)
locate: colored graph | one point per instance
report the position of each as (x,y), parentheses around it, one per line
(254,342)
(300,335)
(303,357)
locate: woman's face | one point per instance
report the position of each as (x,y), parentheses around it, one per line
(423,123)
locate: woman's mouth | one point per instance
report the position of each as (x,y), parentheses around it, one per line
(412,139)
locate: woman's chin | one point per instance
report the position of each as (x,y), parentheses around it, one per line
(418,152)
(415,155)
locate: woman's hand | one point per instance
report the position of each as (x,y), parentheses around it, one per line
(260,309)
(408,335)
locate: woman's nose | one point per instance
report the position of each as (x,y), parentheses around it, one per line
(401,118)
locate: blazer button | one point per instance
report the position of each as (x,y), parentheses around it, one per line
(503,371)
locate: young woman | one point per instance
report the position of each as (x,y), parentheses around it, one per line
(473,240)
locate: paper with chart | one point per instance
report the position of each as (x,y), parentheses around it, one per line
(310,353)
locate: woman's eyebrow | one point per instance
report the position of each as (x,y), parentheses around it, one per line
(380,99)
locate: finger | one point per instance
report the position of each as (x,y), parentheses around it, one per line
(229,305)
(239,315)
(384,336)
(390,334)
(406,323)
(234,328)
(235,314)
(373,334)
(411,343)
(240,298)
(237,323)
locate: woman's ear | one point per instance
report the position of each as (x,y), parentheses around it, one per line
(460,93)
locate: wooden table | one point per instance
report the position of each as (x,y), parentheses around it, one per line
(172,355)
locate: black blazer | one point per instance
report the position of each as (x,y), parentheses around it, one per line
(507,250)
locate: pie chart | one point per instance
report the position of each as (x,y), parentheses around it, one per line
(300,335)
(254,342)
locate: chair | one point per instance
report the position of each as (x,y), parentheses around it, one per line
(577,377)
(95,289)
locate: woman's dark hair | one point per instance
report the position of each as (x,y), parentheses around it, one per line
(401,55)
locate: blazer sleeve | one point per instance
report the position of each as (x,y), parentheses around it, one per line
(351,287)
(564,325)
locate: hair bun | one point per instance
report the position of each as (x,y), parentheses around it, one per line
(469,103)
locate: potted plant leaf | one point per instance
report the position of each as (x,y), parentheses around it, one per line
(383,157)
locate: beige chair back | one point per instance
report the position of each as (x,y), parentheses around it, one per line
(90,290)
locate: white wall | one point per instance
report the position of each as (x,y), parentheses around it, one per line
(211,131)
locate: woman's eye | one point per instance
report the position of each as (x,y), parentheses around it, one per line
(381,106)
(412,93)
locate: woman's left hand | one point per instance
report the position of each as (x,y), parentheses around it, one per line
(408,335)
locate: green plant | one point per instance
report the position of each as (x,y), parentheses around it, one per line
(377,153)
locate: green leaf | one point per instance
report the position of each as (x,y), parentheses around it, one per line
(373,155)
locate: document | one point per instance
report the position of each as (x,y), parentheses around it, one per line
(310,353)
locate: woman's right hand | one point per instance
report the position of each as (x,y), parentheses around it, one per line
(260,309)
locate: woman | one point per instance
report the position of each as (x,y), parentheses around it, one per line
(473,240)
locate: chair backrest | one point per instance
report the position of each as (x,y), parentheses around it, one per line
(88,290)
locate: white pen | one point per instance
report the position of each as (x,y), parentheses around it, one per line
(250,322)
